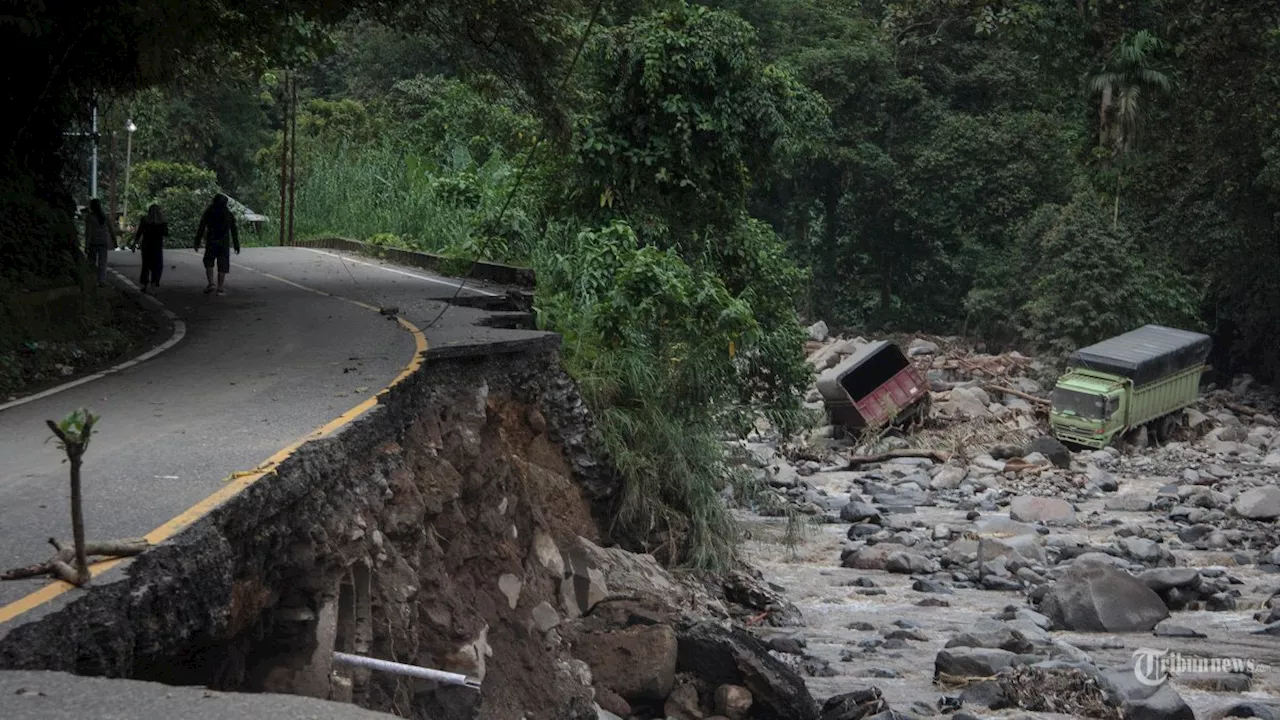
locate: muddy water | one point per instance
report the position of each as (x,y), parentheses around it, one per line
(811,573)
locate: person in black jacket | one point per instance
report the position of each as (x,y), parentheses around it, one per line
(219,223)
(152,230)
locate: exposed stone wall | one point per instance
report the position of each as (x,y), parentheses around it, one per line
(427,533)
(457,527)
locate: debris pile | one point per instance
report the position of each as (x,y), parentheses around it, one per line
(981,499)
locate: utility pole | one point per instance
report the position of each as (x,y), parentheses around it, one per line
(128,165)
(93,163)
(293,157)
(284,154)
(111,193)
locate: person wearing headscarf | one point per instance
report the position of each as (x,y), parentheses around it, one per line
(150,235)
(99,235)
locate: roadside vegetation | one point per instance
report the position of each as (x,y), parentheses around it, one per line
(689,178)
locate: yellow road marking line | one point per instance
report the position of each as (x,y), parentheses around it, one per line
(237,481)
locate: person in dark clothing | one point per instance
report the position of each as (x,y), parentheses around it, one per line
(152,230)
(218,224)
(99,235)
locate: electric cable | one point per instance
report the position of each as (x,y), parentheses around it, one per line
(582,43)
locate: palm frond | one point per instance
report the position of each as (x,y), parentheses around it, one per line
(1104,80)
(1154,78)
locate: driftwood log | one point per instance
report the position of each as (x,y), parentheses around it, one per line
(937,456)
(1243,409)
(1020,394)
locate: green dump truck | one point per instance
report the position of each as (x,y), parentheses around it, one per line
(1120,384)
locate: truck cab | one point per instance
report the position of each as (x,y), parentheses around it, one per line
(1088,408)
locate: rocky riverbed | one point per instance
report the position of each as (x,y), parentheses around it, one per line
(1019,576)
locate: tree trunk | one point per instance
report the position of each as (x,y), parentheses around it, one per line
(886,284)
(284,154)
(1104,113)
(938,456)
(114,168)
(293,157)
(1115,210)
(77,522)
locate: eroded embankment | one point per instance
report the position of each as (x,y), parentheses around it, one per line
(393,539)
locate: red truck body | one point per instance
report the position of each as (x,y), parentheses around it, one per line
(875,386)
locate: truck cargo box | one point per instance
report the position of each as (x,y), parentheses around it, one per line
(875,385)
(1145,355)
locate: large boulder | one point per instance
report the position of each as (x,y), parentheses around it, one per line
(857,511)
(1142,701)
(722,655)
(1096,597)
(992,634)
(920,346)
(638,663)
(1047,510)
(908,563)
(872,557)
(751,594)
(1262,503)
(733,701)
(596,573)
(971,662)
(966,402)
(856,705)
(1161,579)
(948,477)
(1022,549)
(1051,448)
(1260,710)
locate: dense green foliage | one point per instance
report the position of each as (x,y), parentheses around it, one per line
(182,192)
(686,176)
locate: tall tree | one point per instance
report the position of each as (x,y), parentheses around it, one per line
(1121,86)
(1121,108)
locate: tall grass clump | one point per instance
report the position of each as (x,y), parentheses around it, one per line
(667,358)
(671,459)
(362,192)
(448,207)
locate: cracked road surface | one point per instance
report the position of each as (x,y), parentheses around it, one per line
(258,370)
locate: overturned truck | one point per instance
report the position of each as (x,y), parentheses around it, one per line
(874,387)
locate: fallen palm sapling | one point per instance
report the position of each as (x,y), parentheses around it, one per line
(73,434)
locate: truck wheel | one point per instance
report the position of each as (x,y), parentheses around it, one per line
(1168,426)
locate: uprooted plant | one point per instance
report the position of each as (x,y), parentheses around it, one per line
(73,433)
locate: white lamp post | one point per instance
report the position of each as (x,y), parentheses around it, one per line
(93,162)
(128,160)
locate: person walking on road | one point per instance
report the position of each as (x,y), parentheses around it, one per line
(219,225)
(99,235)
(152,230)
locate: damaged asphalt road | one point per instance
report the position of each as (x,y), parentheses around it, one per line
(259,369)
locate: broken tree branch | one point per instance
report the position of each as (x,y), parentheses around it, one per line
(937,456)
(1243,409)
(125,547)
(59,566)
(29,571)
(1020,394)
(66,573)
